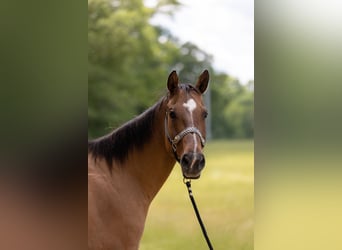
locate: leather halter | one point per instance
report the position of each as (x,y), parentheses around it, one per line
(180,136)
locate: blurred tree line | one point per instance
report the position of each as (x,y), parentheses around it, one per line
(129,61)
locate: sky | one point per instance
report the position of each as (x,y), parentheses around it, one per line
(222,28)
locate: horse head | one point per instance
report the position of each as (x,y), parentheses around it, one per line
(185,123)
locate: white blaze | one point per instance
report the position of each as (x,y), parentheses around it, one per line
(190,105)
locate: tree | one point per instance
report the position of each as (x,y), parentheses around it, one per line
(129,61)
(125,62)
(240,114)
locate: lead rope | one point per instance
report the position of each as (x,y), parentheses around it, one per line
(188,185)
(173,143)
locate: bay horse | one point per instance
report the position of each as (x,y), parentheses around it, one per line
(127,167)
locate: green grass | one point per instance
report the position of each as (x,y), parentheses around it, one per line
(225,198)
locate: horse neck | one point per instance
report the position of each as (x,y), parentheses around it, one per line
(151,165)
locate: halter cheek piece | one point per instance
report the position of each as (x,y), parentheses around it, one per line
(179,137)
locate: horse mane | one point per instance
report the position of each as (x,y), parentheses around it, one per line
(132,135)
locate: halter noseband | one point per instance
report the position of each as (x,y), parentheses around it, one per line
(180,136)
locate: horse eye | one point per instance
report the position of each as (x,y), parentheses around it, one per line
(205,114)
(172,114)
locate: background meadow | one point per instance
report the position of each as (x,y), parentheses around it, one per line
(225,198)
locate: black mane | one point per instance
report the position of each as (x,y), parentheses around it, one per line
(132,135)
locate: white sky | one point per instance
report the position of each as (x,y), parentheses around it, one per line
(222,28)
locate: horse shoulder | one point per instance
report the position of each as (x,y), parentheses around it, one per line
(115,219)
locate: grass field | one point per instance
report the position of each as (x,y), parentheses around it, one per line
(224,195)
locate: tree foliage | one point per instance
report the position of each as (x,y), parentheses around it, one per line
(129,61)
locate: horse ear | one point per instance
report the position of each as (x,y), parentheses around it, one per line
(202,82)
(172,82)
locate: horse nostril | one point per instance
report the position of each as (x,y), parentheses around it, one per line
(186,160)
(201,161)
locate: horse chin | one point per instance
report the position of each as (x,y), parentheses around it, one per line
(192,176)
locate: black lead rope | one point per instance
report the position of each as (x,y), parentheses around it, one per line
(188,185)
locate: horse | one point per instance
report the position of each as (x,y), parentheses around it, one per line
(127,167)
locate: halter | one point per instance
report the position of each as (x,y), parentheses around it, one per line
(180,136)
(174,142)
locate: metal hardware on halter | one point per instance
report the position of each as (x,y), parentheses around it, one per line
(179,136)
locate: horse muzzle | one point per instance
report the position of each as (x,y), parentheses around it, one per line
(192,165)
